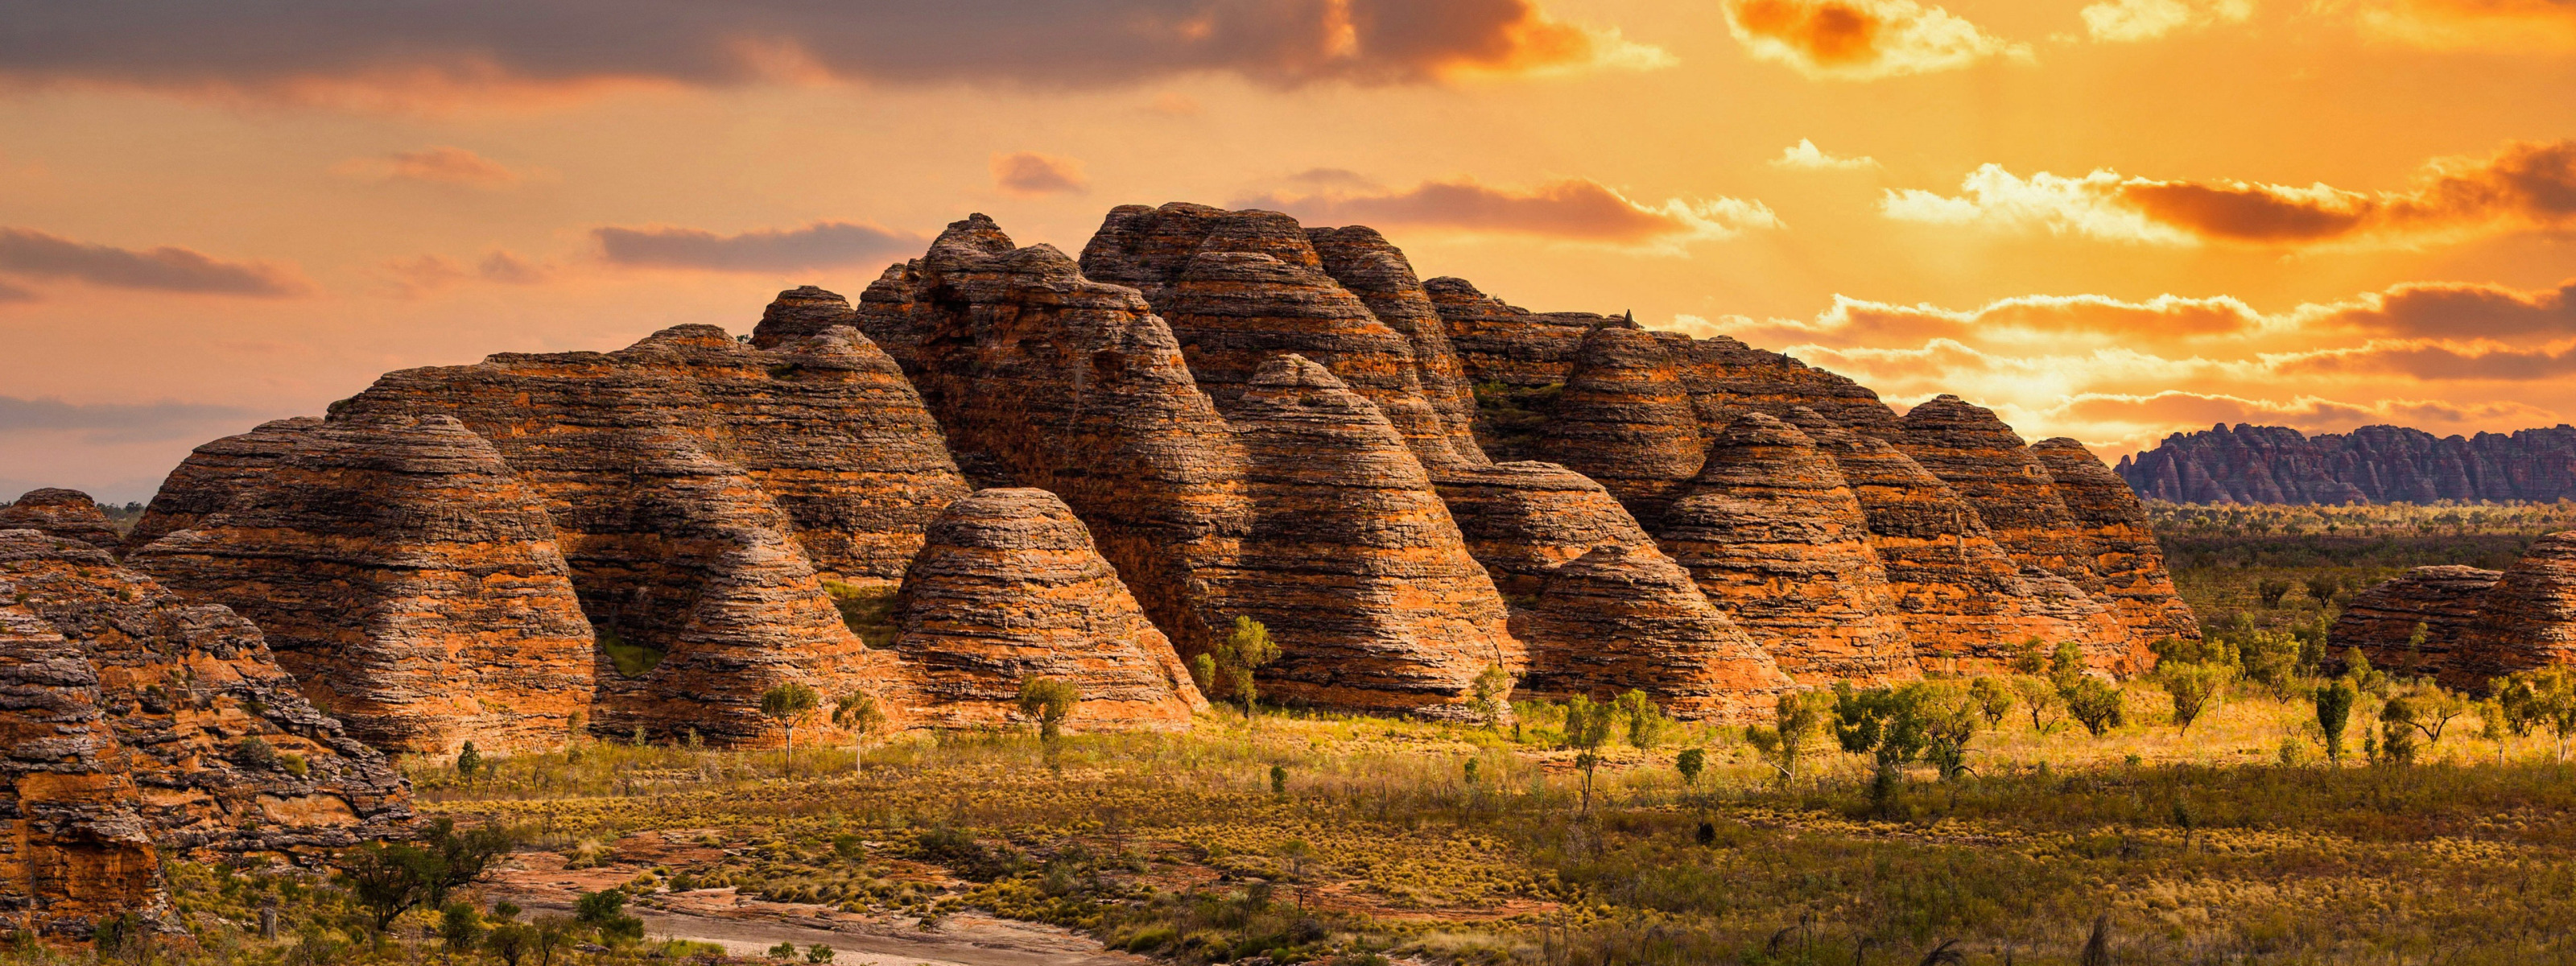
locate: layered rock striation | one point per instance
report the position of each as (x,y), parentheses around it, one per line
(1726,377)
(1623,618)
(2123,566)
(2382,619)
(1009,588)
(1774,536)
(1625,420)
(69,514)
(2527,620)
(405,576)
(141,726)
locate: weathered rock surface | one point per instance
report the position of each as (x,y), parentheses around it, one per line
(79,851)
(801,313)
(139,724)
(406,578)
(1963,601)
(1774,536)
(212,476)
(69,514)
(1353,561)
(1507,344)
(2125,565)
(1009,588)
(1625,420)
(1524,520)
(653,461)
(1253,286)
(2445,600)
(1376,271)
(1627,617)
(2527,620)
(1726,377)
(1043,378)
(1985,462)
(2372,464)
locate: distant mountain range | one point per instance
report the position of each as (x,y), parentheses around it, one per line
(2373,464)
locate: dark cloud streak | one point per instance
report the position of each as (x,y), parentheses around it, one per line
(822,244)
(166,269)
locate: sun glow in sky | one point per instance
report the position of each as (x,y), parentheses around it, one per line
(2107,221)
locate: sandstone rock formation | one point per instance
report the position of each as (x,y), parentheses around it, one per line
(2372,464)
(1506,344)
(212,476)
(139,724)
(1362,260)
(1009,588)
(1963,601)
(1353,561)
(1774,536)
(2444,600)
(79,850)
(69,514)
(1622,617)
(1625,420)
(2527,620)
(1238,288)
(1523,520)
(802,313)
(406,578)
(657,463)
(1985,462)
(1726,377)
(2124,567)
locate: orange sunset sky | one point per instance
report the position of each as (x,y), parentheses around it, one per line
(2110,221)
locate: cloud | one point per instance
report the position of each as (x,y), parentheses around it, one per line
(435,165)
(166,269)
(2305,412)
(2456,310)
(11,293)
(2438,359)
(1174,104)
(428,53)
(1573,209)
(2131,21)
(822,244)
(2539,26)
(1862,39)
(2023,319)
(1031,173)
(416,277)
(2523,186)
(116,422)
(1805,156)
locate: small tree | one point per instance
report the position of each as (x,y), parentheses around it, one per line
(511,941)
(2356,667)
(2193,688)
(858,712)
(1690,763)
(549,935)
(389,879)
(1645,719)
(787,704)
(2547,698)
(2041,699)
(2334,711)
(1049,701)
(1244,651)
(460,928)
(605,911)
(2095,704)
(1993,698)
(1795,722)
(2270,592)
(1203,673)
(2398,737)
(2324,588)
(468,760)
(2066,665)
(1587,728)
(1493,694)
(2030,658)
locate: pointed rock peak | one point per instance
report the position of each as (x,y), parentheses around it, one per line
(1041,259)
(1293,370)
(975,235)
(1454,287)
(1621,346)
(690,335)
(1950,414)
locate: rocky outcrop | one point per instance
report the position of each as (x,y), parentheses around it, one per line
(2382,619)
(1376,271)
(140,725)
(1774,536)
(1043,378)
(1009,588)
(1506,344)
(801,313)
(1985,462)
(1353,561)
(2124,567)
(2527,620)
(1626,617)
(1964,603)
(1524,520)
(212,476)
(406,578)
(69,514)
(1239,288)
(657,463)
(79,850)
(1625,420)
(2372,464)
(1726,377)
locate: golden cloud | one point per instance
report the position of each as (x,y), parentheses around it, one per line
(34,254)
(1862,39)
(2131,21)
(1572,209)
(1030,173)
(434,165)
(2543,26)
(1806,156)
(2523,186)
